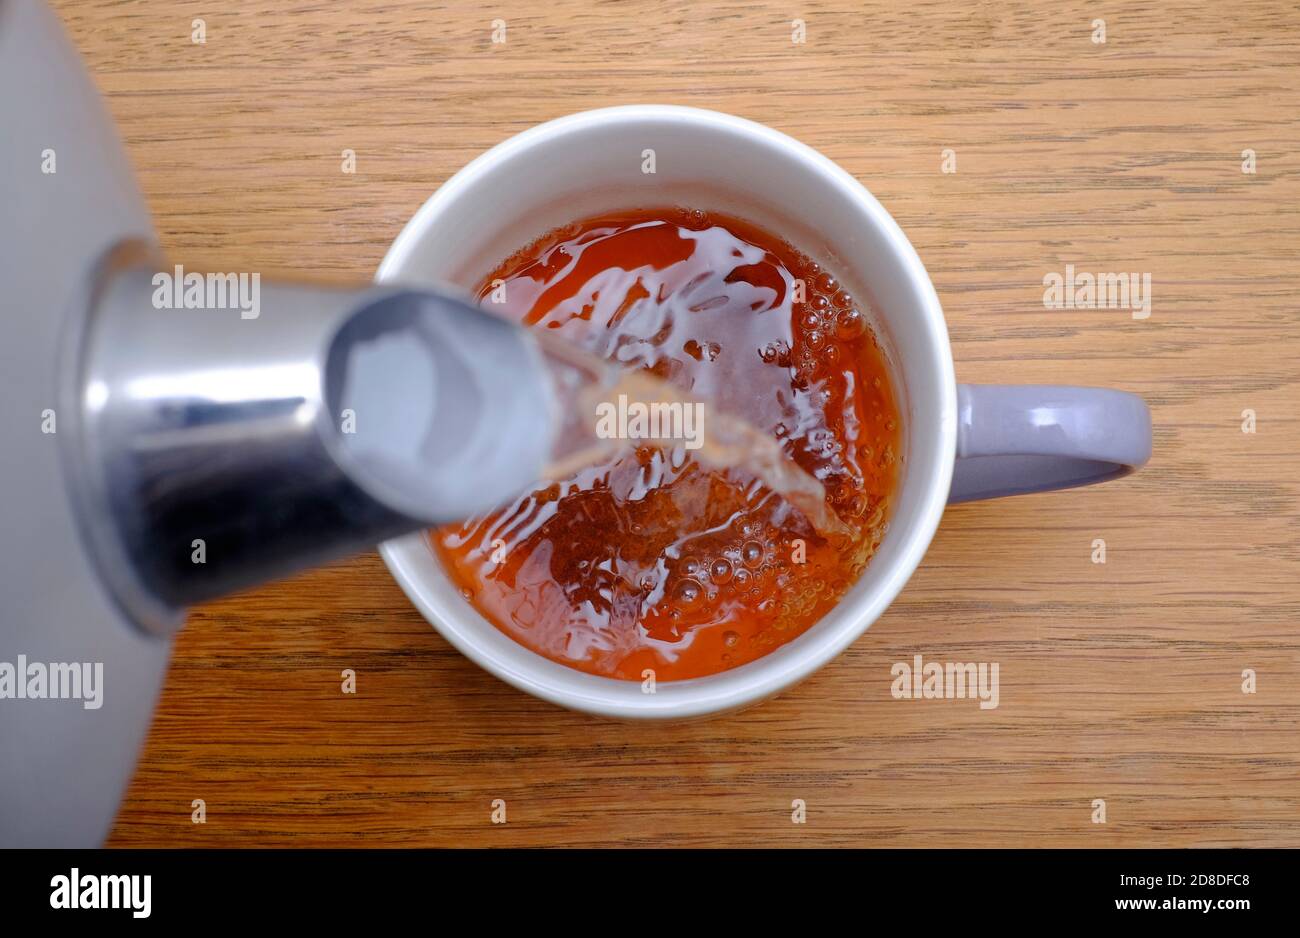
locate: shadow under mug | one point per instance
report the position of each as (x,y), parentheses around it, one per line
(960,442)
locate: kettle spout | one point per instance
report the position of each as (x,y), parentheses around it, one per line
(212,449)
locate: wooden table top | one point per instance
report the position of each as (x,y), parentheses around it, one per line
(1120,681)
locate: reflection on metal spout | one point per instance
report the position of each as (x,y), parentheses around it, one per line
(229,385)
(96,396)
(305,415)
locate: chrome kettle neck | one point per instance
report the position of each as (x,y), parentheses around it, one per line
(217,445)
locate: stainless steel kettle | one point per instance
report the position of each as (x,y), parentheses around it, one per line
(157,452)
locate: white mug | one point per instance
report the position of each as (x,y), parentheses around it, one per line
(1011,439)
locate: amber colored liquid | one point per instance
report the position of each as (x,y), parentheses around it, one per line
(651,559)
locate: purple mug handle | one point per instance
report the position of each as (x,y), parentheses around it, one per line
(1018,438)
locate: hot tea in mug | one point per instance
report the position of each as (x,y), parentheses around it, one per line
(654,558)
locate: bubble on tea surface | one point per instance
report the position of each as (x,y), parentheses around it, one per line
(687,592)
(849,324)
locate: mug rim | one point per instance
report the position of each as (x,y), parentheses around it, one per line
(408,558)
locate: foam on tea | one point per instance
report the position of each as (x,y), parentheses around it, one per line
(653,555)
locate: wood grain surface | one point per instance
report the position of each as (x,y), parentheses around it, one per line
(1120,681)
